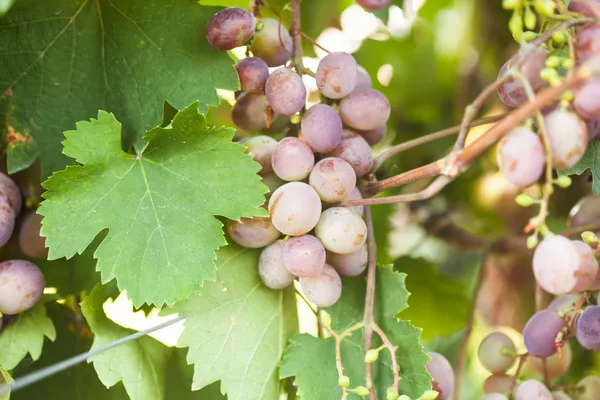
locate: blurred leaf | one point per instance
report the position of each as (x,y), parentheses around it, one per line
(5,378)
(5,5)
(381,215)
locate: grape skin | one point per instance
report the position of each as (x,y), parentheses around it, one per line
(363,79)
(373,5)
(532,390)
(498,383)
(285,91)
(588,388)
(586,101)
(512,93)
(374,136)
(21,286)
(586,211)
(555,366)
(582,7)
(365,109)
(10,188)
(356,195)
(492,352)
(323,289)
(261,147)
(272,43)
(31,243)
(295,208)
(321,128)
(521,157)
(587,42)
(540,333)
(292,159)
(271,269)
(341,231)
(563,302)
(253,73)
(494,396)
(333,179)
(304,255)
(442,373)
(560,396)
(230,28)
(588,328)
(593,127)
(589,266)
(352,264)
(354,149)
(248,112)
(253,233)
(7,219)
(336,75)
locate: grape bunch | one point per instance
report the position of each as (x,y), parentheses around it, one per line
(307,235)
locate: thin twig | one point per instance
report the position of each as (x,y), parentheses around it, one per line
(392,349)
(339,338)
(314,42)
(522,359)
(370,299)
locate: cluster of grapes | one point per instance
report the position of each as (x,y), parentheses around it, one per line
(21,282)
(308,174)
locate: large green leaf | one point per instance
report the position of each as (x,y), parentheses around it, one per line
(179,381)
(311,361)
(63,60)
(25,336)
(139,364)
(237,329)
(158,207)
(591,161)
(5,378)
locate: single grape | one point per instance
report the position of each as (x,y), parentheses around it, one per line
(323,289)
(7,219)
(582,6)
(588,388)
(374,136)
(321,128)
(588,328)
(593,127)
(272,181)
(295,208)
(252,232)
(271,269)
(563,302)
(356,195)
(356,151)
(586,211)
(336,75)
(373,5)
(365,109)
(532,390)
(285,91)
(333,179)
(253,73)
(521,157)
(8,186)
(587,42)
(497,352)
(560,395)
(512,92)
(304,255)
(30,242)
(249,112)
(272,43)
(442,373)
(540,333)
(555,366)
(498,383)
(494,396)
(261,147)
(588,266)
(586,101)
(363,79)
(352,264)
(341,231)
(292,159)
(230,28)
(21,286)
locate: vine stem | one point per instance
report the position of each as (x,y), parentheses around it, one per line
(296,33)
(392,349)
(370,299)
(522,359)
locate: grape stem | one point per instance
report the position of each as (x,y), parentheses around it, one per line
(522,359)
(314,42)
(392,349)
(370,299)
(296,34)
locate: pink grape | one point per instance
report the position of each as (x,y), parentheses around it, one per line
(295,208)
(521,157)
(374,136)
(10,188)
(253,73)
(586,101)
(272,43)
(494,396)
(7,219)
(230,28)
(271,269)
(442,373)
(333,179)
(356,195)
(588,388)
(363,79)
(555,366)
(261,147)
(285,91)
(249,112)
(341,231)
(292,159)
(512,92)
(336,75)
(583,7)
(587,42)
(352,264)
(321,128)
(586,211)
(532,390)
(30,242)
(323,289)
(365,109)
(497,352)
(373,5)
(252,232)
(588,263)
(498,383)
(588,328)
(593,127)
(21,286)
(540,333)
(356,151)
(304,255)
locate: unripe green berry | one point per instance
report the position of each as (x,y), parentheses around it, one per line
(295,119)
(343,381)
(548,73)
(553,61)
(559,37)
(563,181)
(430,395)
(525,200)
(404,397)
(259,26)
(392,394)
(529,36)
(589,237)
(544,7)
(567,96)
(568,63)
(529,19)
(325,319)
(511,4)
(532,241)
(371,356)
(555,81)
(361,391)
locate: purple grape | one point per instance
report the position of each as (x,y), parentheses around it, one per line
(261,147)
(321,128)
(363,79)
(532,390)
(365,109)
(588,328)
(563,302)
(304,255)
(230,28)
(497,352)
(512,92)
(292,159)
(8,186)
(21,286)
(586,101)
(352,264)
(442,373)
(521,157)
(333,179)
(30,242)
(341,231)
(355,150)
(271,269)
(337,75)
(295,208)
(252,232)
(586,211)
(587,42)
(593,127)
(249,112)
(540,333)
(285,91)
(583,7)
(498,383)
(373,5)
(253,73)
(7,219)
(374,136)
(323,289)
(272,43)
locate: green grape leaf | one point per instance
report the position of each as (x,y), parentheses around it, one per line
(179,381)
(237,329)
(5,378)
(5,5)
(25,335)
(158,206)
(591,161)
(123,56)
(139,364)
(319,381)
